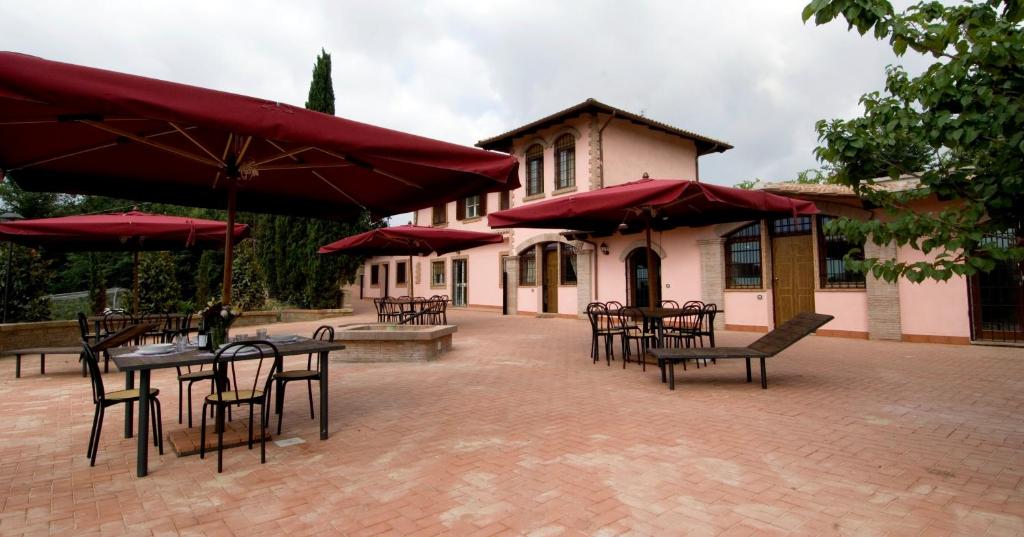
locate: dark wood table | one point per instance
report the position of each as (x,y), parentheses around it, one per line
(130,363)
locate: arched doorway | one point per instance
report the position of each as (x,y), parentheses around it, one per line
(638,277)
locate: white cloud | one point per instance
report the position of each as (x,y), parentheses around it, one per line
(747,72)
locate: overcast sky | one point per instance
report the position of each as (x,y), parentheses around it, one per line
(747,72)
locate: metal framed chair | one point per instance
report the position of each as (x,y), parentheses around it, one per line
(104,399)
(255,394)
(311,373)
(602,325)
(638,332)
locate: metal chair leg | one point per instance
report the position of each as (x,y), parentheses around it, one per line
(202,434)
(309,386)
(96,443)
(92,432)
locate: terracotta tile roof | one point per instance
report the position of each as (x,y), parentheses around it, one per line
(904,183)
(503,142)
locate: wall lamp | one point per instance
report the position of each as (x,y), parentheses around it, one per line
(604,248)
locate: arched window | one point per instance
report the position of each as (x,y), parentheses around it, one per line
(743,258)
(534,170)
(565,161)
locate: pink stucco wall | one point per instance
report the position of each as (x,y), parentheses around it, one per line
(630,150)
(745,308)
(933,308)
(850,309)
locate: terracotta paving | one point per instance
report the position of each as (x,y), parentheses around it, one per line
(516,432)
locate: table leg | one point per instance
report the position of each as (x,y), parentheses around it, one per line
(142,455)
(17,366)
(324,361)
(129,383)
(42,364)
(748,370)
(671,374)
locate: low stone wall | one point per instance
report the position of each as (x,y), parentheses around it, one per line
(65,333)
(390,343)
(43,334)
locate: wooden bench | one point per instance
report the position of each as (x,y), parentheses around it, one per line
(767,346)
(42,352)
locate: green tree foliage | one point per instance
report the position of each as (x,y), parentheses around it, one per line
(159,291)
(958,128)
(248,283)
(27,298)
(208,277)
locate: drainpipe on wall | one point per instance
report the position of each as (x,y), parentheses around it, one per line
(697,160)
(600,144)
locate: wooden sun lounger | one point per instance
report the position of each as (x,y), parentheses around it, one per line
(767,346)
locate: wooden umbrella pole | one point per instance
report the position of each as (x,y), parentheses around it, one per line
(229,241)
(135,282)
(652,279)
(408,277)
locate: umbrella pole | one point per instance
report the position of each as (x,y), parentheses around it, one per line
(408,277)
(651,279)
(135,282)
(229,242)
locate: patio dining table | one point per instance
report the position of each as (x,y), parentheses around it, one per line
(129,361)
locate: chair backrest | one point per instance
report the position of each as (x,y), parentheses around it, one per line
(596,310)
(668,304)
(250,351)
(83,326)
(708,318)
(790,332)
(693,304)
(324,333)
(115,321)
(628,317)
(95,377)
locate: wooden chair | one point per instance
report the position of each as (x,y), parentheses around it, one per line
(256,394)
(603,326)
(103,399)
(767,346)
(311,373)
(636,331)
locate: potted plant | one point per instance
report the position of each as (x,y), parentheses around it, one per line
(216,319)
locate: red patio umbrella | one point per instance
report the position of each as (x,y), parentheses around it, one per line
(80,130)
(411,240)
(651,203)
(132,231)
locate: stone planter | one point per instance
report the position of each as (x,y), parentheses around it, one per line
(392,343)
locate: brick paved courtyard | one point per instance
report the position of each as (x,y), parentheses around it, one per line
(516,432)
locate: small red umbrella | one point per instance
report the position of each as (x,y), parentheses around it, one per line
(651,203)
(410,240)
(80,130)
(132,231)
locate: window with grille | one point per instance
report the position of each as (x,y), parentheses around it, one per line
(832,250)
(528,267)
(568,264)
(437,273)
(800,225)
(400,272)
(743,258)
(534,170)
(565,161)
(374,275)
(440,214)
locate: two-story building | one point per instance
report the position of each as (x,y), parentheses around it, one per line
(759,272)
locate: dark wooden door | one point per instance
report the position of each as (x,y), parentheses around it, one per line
(550,282)
(638,278)
(793,276)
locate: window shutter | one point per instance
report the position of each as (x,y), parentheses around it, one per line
(483,204)
(460,209)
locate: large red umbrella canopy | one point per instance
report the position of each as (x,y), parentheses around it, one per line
(651,204)
(664,203)
(410,240)
(80,130)
(129,231)
(74,129)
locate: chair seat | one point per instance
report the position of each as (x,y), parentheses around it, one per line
(235,396)
(295,374)
(128,395)
(196,375)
